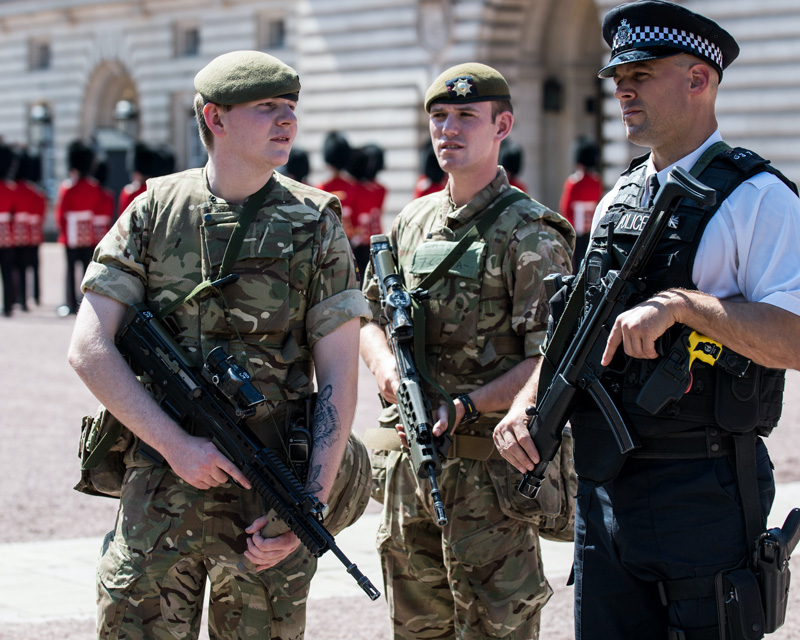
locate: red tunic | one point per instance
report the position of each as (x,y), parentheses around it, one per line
(77,205)
(579,198)
(368,213)
(129,192)
(8,207)
(29,218)
(347,192)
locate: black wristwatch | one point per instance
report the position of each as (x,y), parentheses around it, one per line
(471,414)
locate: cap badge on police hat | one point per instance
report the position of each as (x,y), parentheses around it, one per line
(624,35)
(461,87)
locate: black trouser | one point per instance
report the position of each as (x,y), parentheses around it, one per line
(7,267)
(658,520)
(28,258)
(75,255)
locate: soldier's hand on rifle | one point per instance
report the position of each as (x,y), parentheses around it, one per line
(440,425)
(267,552)
(514,442)
(200,463)
(386,376)
(639,328)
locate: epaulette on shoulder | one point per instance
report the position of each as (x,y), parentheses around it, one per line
(744,159)
(636,162)
(750,164)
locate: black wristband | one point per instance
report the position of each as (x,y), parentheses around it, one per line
(471,414)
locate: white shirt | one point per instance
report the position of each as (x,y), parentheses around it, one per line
(750,249)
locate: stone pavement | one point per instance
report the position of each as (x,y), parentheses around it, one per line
(54,580)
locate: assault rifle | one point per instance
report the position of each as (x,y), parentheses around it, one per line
(217,399)
(607,295)
(427,451)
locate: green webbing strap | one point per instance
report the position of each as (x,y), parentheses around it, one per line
(247,216)
(708,155)
(474,230)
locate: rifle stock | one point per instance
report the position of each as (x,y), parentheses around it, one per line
(579,368)
(193,397)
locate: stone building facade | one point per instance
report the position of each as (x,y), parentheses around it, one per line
(121,70)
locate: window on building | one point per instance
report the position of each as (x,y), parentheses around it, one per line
(187,40)
(272,33)
(39,55)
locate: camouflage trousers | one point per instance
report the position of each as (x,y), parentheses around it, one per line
(170,538)
(480,576)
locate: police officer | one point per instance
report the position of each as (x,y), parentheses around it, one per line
(294,311)
(480,575)
(660,533)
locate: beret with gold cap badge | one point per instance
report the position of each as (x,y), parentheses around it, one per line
(245,76)
(468,82)
(653,29)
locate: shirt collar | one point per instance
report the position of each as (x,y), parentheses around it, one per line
(480,202)
(687,162)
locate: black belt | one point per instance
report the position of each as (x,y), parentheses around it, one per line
(711,442)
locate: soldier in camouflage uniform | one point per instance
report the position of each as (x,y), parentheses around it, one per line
(294,309)
(480,576)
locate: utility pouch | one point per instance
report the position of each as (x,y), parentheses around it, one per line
(103,443)
(739,600)
(299,439)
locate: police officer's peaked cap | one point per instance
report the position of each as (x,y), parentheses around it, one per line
(653,29)
(245,76)
(468,82)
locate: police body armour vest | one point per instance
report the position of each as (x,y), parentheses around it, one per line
(715,397)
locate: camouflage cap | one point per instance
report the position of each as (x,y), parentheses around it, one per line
(468,82)
(244,76)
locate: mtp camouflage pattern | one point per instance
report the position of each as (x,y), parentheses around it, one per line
(481,575)
(296,284)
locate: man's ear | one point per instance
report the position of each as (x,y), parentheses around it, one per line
(503,122)
(212,113)
(700,77)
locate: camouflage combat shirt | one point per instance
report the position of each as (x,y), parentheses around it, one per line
(490,311)
(296,276)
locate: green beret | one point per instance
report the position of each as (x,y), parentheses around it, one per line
(245,76)
(468,82)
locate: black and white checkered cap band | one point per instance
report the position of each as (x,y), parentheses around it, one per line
(664,36)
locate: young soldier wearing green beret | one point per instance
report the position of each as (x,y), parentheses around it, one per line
(294,310)
(480,575)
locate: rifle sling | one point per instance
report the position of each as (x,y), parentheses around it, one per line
(247,216)
(475,229)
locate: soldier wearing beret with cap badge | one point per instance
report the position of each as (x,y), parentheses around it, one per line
(479,575)
(664,533)
(293,311)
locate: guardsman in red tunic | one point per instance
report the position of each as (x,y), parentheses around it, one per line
(366,216)
(8,195)
(29,224)
(336,152)
(80,199)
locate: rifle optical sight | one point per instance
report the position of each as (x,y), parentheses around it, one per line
(233,381)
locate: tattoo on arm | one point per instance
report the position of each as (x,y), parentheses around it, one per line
(324,430)
(326,420)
